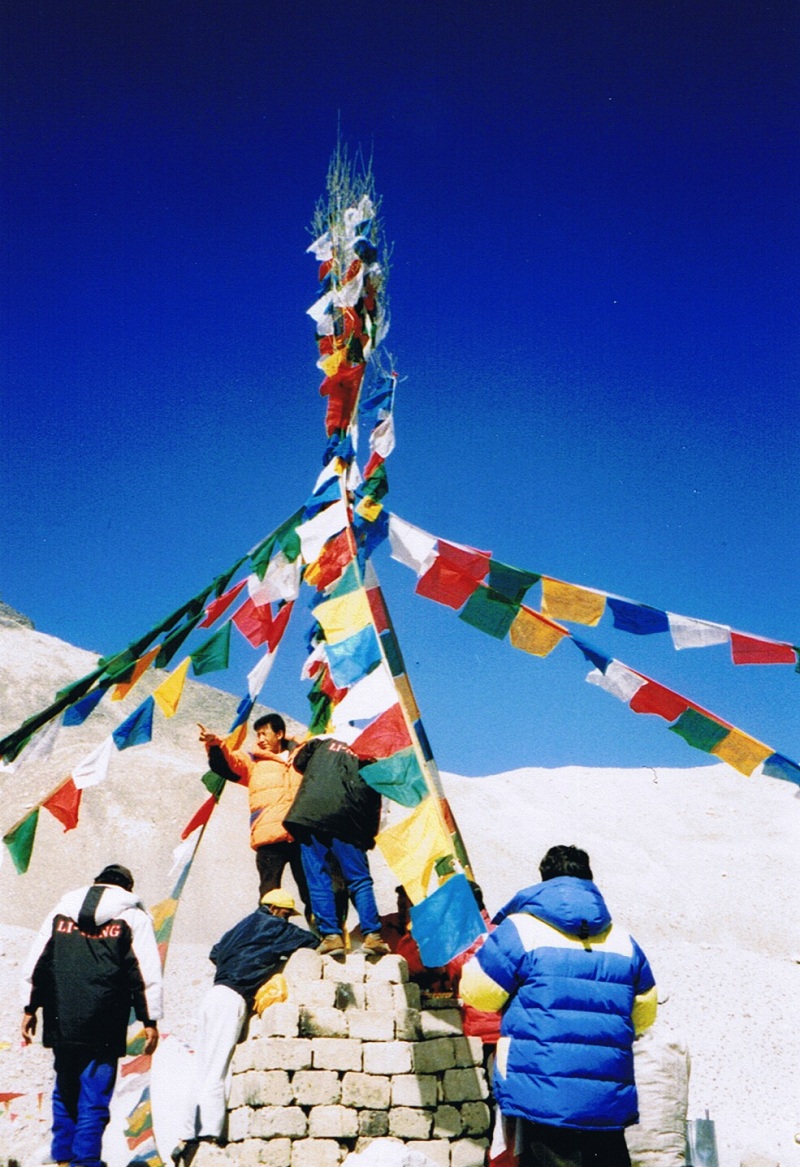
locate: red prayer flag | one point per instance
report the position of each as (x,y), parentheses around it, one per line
(446,584)
(200,818)
(387,735)
(468,560)
(750,650)
(655,698)
(218,606)
(334,558)
(327,687)
(64,804)
(342,391)
(259,626)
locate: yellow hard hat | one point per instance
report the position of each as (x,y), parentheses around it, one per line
(280,899)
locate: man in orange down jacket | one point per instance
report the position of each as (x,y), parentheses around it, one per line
(272,784)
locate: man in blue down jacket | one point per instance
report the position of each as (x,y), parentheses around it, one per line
(575,991)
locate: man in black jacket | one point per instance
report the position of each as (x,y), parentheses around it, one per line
(246,956)
(94,959)
(335,817)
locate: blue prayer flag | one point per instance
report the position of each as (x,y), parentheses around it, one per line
(446,922)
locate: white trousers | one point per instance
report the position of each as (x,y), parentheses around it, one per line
(222,1015)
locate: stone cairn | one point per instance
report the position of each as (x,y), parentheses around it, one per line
(354,1055)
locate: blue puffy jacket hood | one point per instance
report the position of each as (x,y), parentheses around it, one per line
(574,906)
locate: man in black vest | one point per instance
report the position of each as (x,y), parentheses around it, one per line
(95,958)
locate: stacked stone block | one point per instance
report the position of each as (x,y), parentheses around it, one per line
(350,1057)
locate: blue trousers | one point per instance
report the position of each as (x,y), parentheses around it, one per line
(81,1100)
(355,872)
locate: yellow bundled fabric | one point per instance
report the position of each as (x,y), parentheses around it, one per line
(272,991)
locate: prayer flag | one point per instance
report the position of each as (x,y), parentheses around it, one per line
(446,922)
(368,697)
(333,559)
(280,582)
(752,650)
(637,618)
(257,624)
(700,731)
(741,751)
(385,736)
(399,777)
(777,766)
(490,611)
(534,633)
(77,713)
(141,666)
(382,439)
(564,601)
(411,545)
(19,841)
(511,582)
(257,676)
(351,659)
(655,698)
(64,804)
(412,847)
(200,817)
(212,656)
(343,616)
(315,533)
(218,606)
(137,729)
(93,769)
(596,658)
(446,583)
(168,694)
(689,633)
(618,680)
(172,643)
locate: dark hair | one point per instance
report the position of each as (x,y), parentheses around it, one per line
(117,875)
(565,860)
(274,721)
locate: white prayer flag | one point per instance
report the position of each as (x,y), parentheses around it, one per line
(94,768)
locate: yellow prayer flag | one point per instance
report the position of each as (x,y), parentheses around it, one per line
(344,615)
(162,911)
(236,738)
(563,601)
(124,688)
(742,752)
(330,364)
(369,509)
(412,847)
(168,694)
(534,634)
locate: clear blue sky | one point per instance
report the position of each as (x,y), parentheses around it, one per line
(594,285)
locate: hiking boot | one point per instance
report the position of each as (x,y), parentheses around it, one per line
(374,945)
(332,945)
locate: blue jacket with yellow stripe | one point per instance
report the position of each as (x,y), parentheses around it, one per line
(574,991)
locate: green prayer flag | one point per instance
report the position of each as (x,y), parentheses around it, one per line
(320,711)
(348,581)
(213,655)
(377,485)
(259,560)
(213,783)
(287,537)
(173,643)
(20,841)
(699,731)
(490,611)
(511,582)
(399,777)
